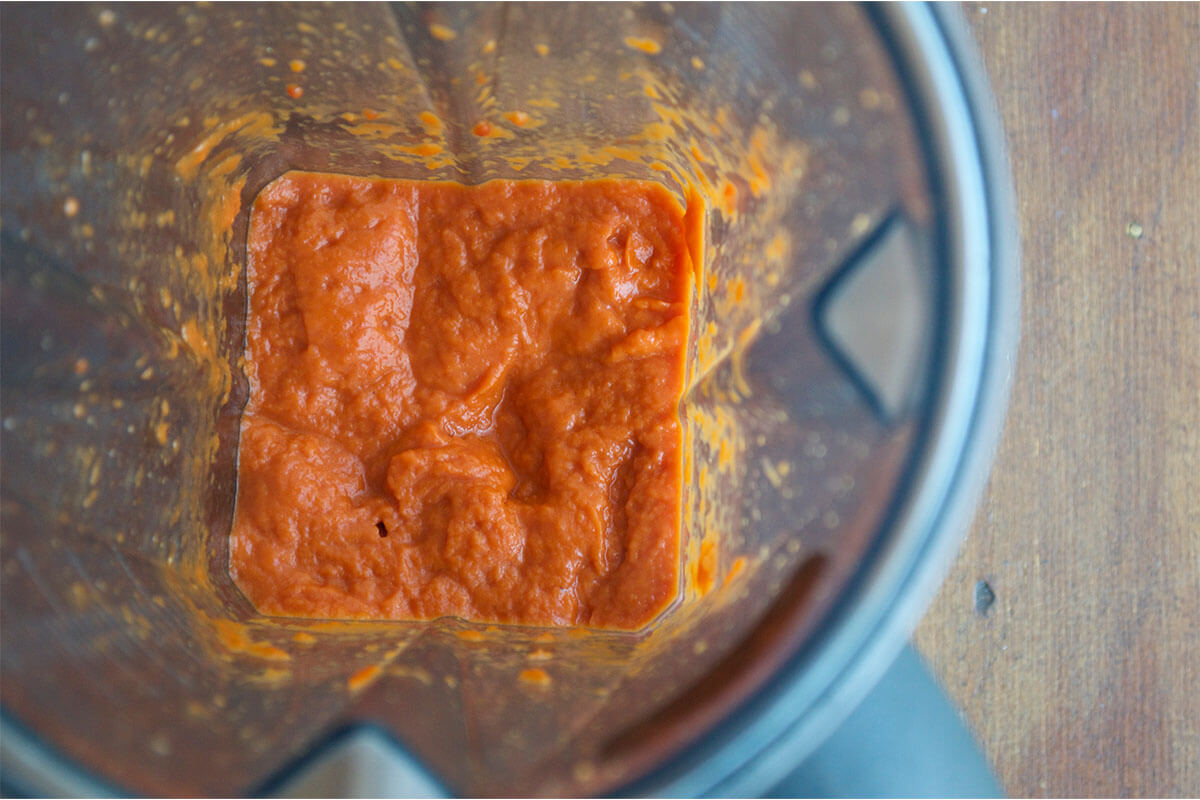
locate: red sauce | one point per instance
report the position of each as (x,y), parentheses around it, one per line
(464,401)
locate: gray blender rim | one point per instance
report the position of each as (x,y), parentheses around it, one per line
(834,669)
(822,682)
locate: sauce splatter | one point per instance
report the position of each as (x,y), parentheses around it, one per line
(535,676)
(432,124)
(645,44)
(363,677)
(518,118)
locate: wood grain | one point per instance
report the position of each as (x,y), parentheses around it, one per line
(1083,677)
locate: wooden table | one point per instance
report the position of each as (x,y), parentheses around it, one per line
(1083,677)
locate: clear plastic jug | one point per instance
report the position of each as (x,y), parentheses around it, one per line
(135,139)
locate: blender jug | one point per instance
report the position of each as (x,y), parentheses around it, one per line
(827,330)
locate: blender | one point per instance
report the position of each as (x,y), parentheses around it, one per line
(853,330)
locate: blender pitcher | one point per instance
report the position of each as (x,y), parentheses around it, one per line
(850,327)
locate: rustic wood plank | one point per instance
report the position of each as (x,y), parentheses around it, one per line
(1083,677)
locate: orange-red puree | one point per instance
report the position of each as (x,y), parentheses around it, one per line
(464,401)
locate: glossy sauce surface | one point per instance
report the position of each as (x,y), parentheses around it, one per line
(464,401)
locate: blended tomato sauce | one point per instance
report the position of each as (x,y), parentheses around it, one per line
(464,400)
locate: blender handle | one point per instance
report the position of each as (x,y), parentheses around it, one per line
(904,740)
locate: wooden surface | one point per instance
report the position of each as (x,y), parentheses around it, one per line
(1083,677)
